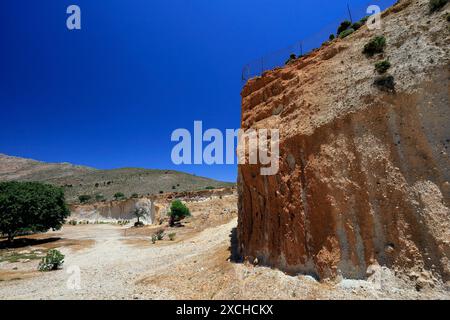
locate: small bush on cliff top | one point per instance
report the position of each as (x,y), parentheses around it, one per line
(376,45)
(436,5)
(344,26)
(357,25)
(382,66)
(346,33)
(292,57)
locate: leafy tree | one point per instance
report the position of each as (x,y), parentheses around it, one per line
(140,213)
(31,206)
(331,37)
(178,211)
(84,198)
(119,196)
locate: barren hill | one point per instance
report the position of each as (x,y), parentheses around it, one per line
(78,180)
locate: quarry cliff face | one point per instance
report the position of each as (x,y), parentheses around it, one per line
(364,175)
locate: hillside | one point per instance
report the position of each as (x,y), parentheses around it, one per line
(364,167)
(78,180)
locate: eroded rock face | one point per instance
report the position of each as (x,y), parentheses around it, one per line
(116,210)
(364,174)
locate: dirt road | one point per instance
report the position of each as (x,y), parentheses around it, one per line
(117,262)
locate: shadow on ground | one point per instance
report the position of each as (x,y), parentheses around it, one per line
(25,242)
(234,248)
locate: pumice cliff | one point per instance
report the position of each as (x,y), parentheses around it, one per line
(364,177)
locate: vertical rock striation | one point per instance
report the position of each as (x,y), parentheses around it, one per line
(364,174)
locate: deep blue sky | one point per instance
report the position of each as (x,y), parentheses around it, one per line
(110,95)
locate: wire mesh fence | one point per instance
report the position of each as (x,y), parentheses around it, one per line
(352,12)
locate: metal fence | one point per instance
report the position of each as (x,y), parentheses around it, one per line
(352,12)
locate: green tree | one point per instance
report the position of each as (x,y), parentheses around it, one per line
(140,213)
(31,206)
(178,211)
(119,196)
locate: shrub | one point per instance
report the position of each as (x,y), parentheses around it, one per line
(172,236)
(209,188)
(154,238)
(97,185)
(159,235)
(135,195)
(99,197)
(344,26)
(31,206)
(331,37)
(436,5)
(173,187)
(119,196)
(73,222)
(52,261)
(84,198)
(292,57)
(161,192)
(376,45)
(364,19)
(346,33)
(357,25)
(178,211)
(382,66)
(385,83)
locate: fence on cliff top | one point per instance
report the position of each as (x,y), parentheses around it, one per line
(278,58)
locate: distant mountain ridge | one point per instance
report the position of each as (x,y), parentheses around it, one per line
(81,180)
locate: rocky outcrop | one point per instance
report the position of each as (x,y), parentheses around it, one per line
(364,173)
(116,210)
(156,206)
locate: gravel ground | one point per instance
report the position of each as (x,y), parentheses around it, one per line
(110,268)
(196,267)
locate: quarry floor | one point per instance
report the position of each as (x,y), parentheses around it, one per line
(117,262)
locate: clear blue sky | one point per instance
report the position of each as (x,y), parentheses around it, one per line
(110,95)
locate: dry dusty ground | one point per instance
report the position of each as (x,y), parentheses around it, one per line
(122,263)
